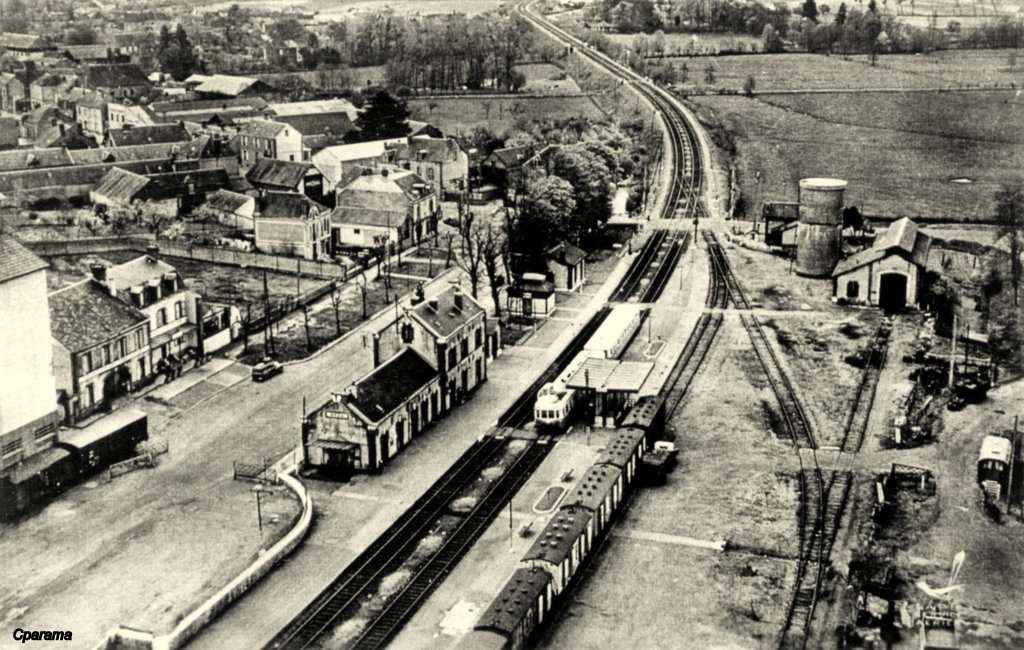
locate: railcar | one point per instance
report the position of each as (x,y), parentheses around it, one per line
(514,615)
(648,415)
(624,450)
(994,465)
(615,332)
(599,492)
(561,547)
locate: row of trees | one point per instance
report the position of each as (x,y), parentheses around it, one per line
(632,16)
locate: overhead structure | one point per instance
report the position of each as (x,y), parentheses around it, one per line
(819,234)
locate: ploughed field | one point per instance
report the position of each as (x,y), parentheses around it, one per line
(922,154)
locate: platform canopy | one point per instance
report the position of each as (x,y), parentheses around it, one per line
(611,375)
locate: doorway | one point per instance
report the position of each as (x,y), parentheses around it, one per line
(892,293)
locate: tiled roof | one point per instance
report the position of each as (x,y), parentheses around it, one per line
(511,157)
(277,173)
(121,185)
(429,149)
(223,84)
(390,385)
(33,158)
(566,254)
(368,217)
(336,124)
(440,315)
(84,315)
(227,201)
(126,186)
(37,180)
(213,105)
(287,205)
(155,134)
(16,260)
(114,75)
(138,271)
(381,189)
(508,610)
(97,52)
(262,128)
(357,151)
(902,238)
(191,150)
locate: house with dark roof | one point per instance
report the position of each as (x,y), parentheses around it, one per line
(154,134)
(890,274)
(270,175)
(91,114)
(95,53)
(261,139)
(232,209)
(100,347)
(290,223)
(28,401)
(384,204)
(330,127)
(117,80)
(440,161)
(448,330)
(362,427)
(506,167)
(567,266)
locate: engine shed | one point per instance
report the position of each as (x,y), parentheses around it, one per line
(609,387)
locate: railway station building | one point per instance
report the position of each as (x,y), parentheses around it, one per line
(609,387)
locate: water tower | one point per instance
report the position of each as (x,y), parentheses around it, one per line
(819,235)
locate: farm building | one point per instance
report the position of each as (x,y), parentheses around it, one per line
(337,162)
(172,191)
(272,175)
(890,273)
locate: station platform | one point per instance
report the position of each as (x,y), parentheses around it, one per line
(453,609)
(350,516)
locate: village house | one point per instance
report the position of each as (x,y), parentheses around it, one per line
(28,415)
(86,54)
(169,192)
(261,139)
(202,112)
(14,92)
(337,163)
(315,107)
(293,224)
(890,274)
(91,115)
(531,297)
(441,161)
(121,115)
(48,90)
(101,347)
(384,204)
(117,81)
(567,266)
(506,167)
(448,330)
(155,288)
(271,175)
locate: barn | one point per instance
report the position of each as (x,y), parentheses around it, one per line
(890,274)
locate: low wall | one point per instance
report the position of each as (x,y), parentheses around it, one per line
(196,620)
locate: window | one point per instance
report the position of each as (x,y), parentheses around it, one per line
(179,309)
(106,354)
(430,173)
(852,289)
(355,231)
(122,347)
(161,317)
(12,447)
(140,339)
(451,357)
(45,433)
(465,348)
(479,335)
(291,157)
(84,363)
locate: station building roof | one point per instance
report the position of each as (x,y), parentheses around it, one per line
(611,375)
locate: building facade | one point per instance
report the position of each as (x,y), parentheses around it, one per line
(440,161)
(384,201)
(293,224)
(890,274)
(265,139)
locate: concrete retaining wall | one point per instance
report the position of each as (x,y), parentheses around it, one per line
(196,620)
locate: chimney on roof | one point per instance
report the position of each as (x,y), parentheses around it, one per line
(432,304)
(152,251)
(384,172)
(457,298)
(99,272)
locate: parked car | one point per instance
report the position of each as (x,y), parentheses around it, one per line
(266,369)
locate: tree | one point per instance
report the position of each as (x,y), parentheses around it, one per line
(287,29)
(81,34)
(772,40)
(544,215)
(1010,215)
(809,10)
(470,255)
(841,15)
(748,86)
(384,117)
(176,55)
(15,16)
(941,299)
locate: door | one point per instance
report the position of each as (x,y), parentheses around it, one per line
(385,449)
(892,294)
(414,428)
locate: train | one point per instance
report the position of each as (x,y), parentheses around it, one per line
(548,568)
(994,466)
(556,404)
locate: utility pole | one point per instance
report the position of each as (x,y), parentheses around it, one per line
(952,353)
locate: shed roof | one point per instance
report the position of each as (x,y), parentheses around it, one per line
(227,201)
(102,428)
(902,238)
(566,254)
(278,173)
(33,158)
(121,185)
(84,315)
(611,375)
(16,260)
(16,41)
(95,52)
(316,106)
(509,607)
(390,385)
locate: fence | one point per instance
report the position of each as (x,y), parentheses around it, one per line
(255,472)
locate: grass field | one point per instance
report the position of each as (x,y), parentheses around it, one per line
(699,43)
(964,67)
(454,114)
(547,78)
(898,151)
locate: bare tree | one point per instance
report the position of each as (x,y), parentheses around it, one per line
(305,319)
(470,256)
(336,305)
(493,247)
